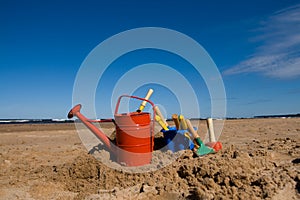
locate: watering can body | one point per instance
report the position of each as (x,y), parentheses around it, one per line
(134,138)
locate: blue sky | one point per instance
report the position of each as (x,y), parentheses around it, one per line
(255,45)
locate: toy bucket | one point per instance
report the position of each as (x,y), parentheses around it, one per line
(134,136)
(177,140)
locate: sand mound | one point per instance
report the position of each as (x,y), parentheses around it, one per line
(228,174)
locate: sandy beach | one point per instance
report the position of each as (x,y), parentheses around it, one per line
(260,159)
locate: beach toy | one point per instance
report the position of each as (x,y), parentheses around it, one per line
(158,113)
(212,140)
(134,133)
(200,149)
(176,121)
(161,122)
(143,104)
(211,132)
(177,140)
(182,122)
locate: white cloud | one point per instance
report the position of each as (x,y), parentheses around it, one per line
(279,53)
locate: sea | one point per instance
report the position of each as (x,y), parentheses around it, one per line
(35,121)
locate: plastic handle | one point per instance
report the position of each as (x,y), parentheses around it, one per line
(176,121)
(211,132)
(182,122)
(161,122)
(191,129)
(157,110)
(143,104)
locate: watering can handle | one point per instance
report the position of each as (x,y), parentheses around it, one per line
(133,97)
(142,99)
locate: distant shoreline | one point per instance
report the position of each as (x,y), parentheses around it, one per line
(278,116)
(35,121)
(62,121)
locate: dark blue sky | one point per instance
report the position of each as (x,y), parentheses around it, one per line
(254,44)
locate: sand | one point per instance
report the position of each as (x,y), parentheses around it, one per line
(260,160)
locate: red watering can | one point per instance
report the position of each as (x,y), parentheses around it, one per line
(134,133)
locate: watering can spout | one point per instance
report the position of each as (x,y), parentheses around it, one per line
(75,111)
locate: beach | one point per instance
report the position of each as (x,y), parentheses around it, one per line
(260,159)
